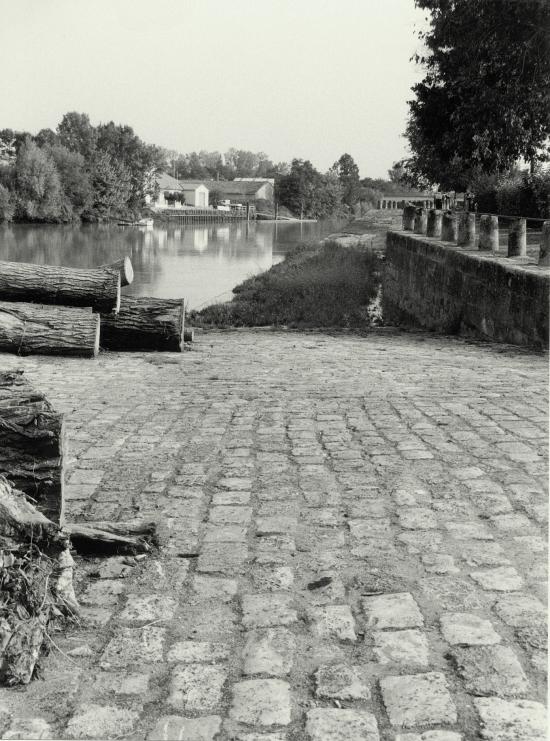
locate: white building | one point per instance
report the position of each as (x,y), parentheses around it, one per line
(176,194)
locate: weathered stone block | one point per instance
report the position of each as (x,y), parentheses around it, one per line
(341,682)
(502,579)
(333,621)
(462,628)
(177,728)
(505,720)
(261,702)
(401,647)
(329,724)
(397,610)
(265,610)
(269,651)
(491,670)
(101,721)
(196,688)
(417,700)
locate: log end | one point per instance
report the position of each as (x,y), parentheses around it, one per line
(95,348)
(116,308)
(126,272)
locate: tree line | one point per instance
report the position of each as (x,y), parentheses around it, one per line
(480,118)
(85,172)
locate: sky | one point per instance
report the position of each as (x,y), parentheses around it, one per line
(293,78)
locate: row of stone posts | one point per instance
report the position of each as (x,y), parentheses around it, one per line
(460,227)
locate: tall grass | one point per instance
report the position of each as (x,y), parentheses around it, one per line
(315,286)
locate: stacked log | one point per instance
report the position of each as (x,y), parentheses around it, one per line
(144,324)
(124,267)
(52,284)
(27,328)
(32,442)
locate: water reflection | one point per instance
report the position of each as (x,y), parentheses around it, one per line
(201,263)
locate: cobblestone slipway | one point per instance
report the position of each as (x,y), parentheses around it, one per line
(352,543)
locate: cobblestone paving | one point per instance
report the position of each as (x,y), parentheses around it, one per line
(352,543)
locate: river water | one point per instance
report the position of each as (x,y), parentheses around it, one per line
(200,263)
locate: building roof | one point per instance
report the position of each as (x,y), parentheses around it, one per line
(235,187)
(167,182)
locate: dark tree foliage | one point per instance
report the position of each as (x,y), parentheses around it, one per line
(484,101)
(348,175)
(308,193)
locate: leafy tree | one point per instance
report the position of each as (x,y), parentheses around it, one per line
(306,192)
(38,188)
(142,161)
(348,175)
(75,180)
(214,197)
(77,134)
(111,186)
(7,205)
(46,137)
(484,101)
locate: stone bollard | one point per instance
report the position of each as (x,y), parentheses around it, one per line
(488,233)
(544,255)
(420,221)
(517,239)
(466,230)
(408,218)
(449,227)
(433,227)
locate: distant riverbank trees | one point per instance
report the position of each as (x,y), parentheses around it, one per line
(79,171)
(92,173)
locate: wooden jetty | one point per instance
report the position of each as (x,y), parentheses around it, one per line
(207,215)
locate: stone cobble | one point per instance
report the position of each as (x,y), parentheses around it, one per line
(352,543)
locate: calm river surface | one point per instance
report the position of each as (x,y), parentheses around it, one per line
(197,262)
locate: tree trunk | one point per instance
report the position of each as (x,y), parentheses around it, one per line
(124,267)
(50,284)
(144,324)
(32,443)
(27,329)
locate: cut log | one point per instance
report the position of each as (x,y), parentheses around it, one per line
(188,335)
(144,324)
(32,442)
(34,329)
(131,537)
(50,284)
(124,267)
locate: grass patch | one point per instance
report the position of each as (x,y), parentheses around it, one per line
(315,286)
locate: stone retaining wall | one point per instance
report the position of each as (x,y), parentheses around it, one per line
(439,286)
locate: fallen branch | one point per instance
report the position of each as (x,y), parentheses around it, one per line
(131,537)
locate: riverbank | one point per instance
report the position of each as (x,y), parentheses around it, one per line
(317,285)
(331,283)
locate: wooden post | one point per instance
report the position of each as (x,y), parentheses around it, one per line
(433,226)
(517,238)
(544,254)
(466,230)
(488,233)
